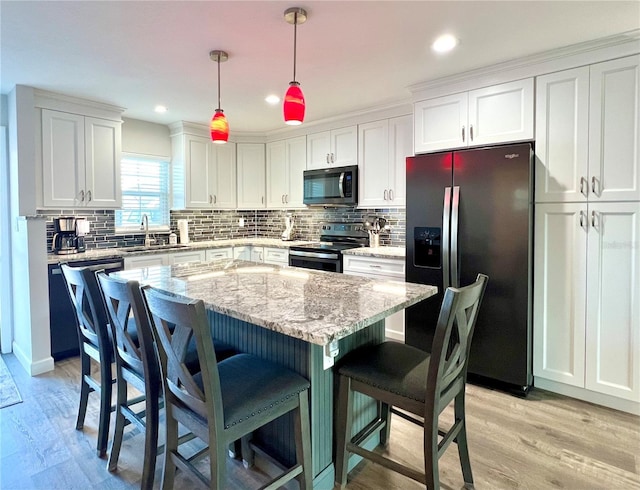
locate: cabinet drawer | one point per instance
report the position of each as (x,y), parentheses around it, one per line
(371,265)
(219,253)
(184,257)
(278,256)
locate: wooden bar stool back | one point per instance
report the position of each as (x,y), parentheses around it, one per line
(227,400)
(95,343)
(417,382)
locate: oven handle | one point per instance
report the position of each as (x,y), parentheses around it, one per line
(315,255)
(341,184)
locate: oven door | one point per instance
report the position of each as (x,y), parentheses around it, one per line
(323,261)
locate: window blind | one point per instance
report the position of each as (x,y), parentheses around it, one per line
(145,190)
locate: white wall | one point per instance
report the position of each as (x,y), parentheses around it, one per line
(145,138)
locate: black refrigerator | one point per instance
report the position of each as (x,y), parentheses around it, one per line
(470,212)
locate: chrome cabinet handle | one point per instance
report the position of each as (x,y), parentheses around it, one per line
(262,200)
(390,194)
(210,199)
(373,266)
(593,184)
(286,198)
(327,158)
(584,190)
(593,219)
(88,197)
(471,131)
(82,196)
(463,134)
(581,219)
(333,158)
(385,194)
(215,199)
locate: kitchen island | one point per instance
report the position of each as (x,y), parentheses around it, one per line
(300,318)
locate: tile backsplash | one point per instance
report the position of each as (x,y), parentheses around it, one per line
(222,224)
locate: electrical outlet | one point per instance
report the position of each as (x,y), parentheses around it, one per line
(241,222)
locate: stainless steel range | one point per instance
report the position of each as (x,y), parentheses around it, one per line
(326,255)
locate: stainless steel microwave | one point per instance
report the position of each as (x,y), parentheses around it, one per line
(336,186)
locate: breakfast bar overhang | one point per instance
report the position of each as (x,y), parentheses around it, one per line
(302,319)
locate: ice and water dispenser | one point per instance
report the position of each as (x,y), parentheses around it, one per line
(427,242)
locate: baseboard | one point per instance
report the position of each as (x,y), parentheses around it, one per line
(588,396)
(33,368)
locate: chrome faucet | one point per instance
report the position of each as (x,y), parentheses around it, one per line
(145,226)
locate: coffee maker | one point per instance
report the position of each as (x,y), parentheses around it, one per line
(69,235)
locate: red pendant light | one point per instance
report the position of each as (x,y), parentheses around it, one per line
(219,125)
(294,104)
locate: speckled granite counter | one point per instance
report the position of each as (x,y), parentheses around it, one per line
(109,253)
(317,307)
(381,252)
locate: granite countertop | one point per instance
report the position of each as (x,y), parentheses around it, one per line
(318,307)
(381,252)
(116,253)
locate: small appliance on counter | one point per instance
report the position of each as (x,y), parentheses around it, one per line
(287,234)
(183,230)
(69,235)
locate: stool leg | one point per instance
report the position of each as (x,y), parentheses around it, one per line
(152,421)
(248,455)
(303,444)
(385,414)
(431,451)
(121,400)
(105,406)
(85,389)
(344,422)
(170,447)
(461,440)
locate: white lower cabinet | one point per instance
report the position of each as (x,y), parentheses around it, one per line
(586,308)
(384,269)
(257,254)
(276,256)
(147,260)
(184,257)
(219,253)
(242,253)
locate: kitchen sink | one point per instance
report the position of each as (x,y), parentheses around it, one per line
(150,248)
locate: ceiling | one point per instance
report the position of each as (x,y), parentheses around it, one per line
(351,55)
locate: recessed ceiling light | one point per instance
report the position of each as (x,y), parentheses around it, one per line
(272,99)
(444,43)
(161,109)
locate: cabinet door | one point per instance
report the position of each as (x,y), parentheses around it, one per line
(344,147)
(318,150)
(251,176)
(441,123)
(147,260)
(224,195)
(614,130)
(613,308)
(184,257)
(297,164)
(199,172)
(562,130)
(63,157)
(242,253)
(559,292)
(276,256)
(257,254)
(400,147)
(102,163)
(501,113)
(277,174)
(373,155)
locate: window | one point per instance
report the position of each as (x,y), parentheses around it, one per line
(145,190)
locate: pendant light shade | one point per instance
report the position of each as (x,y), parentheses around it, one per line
(294,104)
(219,125)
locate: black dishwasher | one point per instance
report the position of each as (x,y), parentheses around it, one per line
(62,315)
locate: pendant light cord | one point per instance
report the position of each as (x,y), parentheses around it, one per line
(295,32)
(219,82)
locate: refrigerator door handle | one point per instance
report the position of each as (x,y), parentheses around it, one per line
(446,220)
(455,272)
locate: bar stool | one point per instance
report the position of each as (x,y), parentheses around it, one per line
(95,343)
(137,364)
(226,400)
(422,384)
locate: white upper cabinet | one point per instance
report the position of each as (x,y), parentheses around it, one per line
(251,175)
(383,148)
(204,173)
(81,161)
(286,162)
(497,114)
(335,148)
(587,133)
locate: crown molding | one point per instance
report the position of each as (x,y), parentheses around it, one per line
(44,99)
(623,44)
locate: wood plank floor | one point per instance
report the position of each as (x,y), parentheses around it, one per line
(544,441)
